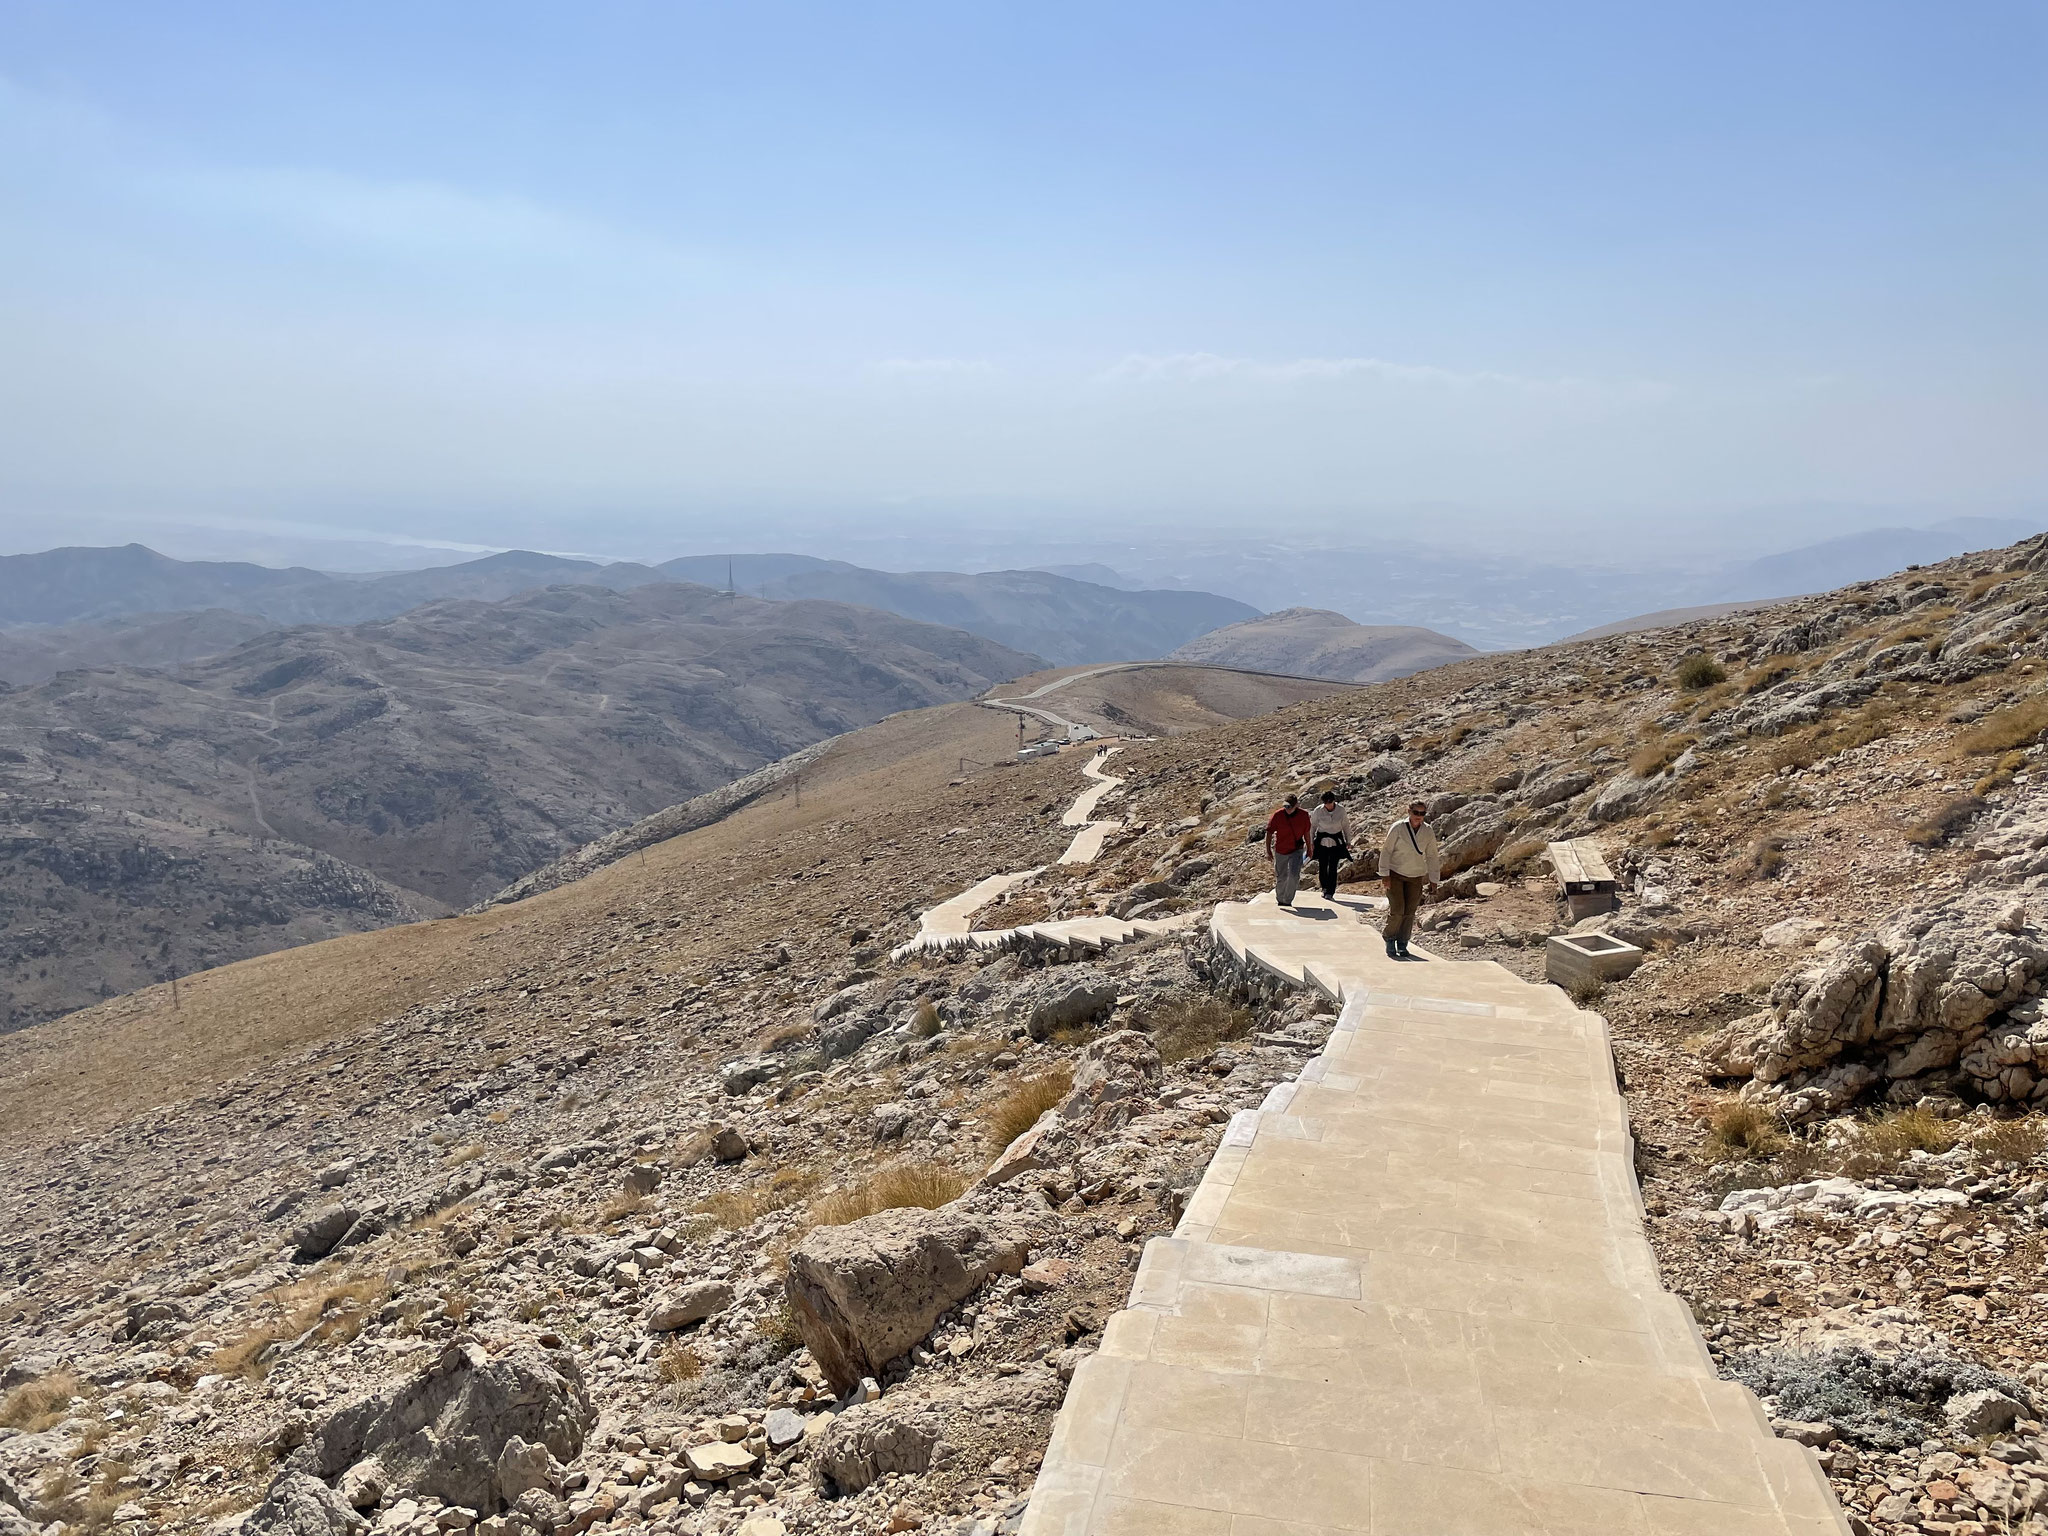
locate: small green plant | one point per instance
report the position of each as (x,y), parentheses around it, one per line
(1699,670)
(1737,1129)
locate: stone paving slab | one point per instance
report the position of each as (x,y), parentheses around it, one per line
(1413,1296)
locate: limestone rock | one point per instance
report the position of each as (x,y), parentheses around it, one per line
(1064,999)
(444,1432)
(908,1432)
(298,1505)
(688,1304)
(321,1233)
(719,1460)
(1554,786)
(1984,1412)
(363,1484)
(523,1465)
(1117,1075)
(783,1427)
(1384,770)
(1792,933)
(865,1292)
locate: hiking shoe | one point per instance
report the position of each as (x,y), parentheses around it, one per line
(1393,953)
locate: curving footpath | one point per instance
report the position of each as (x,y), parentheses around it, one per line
(1412,1296)
(947,925)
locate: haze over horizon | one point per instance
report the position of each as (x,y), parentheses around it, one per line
(645,281)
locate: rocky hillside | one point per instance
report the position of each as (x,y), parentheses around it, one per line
(1314,642)
(671,1203)
(321,781)
(96,607)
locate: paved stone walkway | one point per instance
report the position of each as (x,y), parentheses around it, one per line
(949,924)
(1413,1296)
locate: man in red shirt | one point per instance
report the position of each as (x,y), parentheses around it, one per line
(1286,842)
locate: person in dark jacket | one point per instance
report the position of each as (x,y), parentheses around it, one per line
(1329,841)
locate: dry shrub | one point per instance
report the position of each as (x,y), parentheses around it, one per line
(1737,1129)
(1699,670)
(2012,1141)
(35,1405)
(927,1185)
(468,1154)
(735,1209)
(1761,860)
(1586,991)
(781,1330)
(1897,1132)
(1944,821)
(677,1364)
(1772,669)
(1656,755)
(1018,1110)
(926,1021)
(1193,1024)
(2017,725)
(785,1034)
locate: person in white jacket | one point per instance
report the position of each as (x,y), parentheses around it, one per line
(1329,841)
(1411,864)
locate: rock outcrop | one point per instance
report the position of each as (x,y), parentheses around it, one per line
(445,1432)
(865,1292)
(909,1433)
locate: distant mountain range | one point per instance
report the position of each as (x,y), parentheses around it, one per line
(1314,642)
(323,780)
(133,606)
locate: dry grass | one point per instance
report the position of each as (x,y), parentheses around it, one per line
(2012,1141)
(1984,584)
(36,1405)
(926,1021)
(1698,671)
(1895,1133)
(1018,1110)
(1193,1024)
(785,1034)
(1772,669)
(1873,722)
(780,1329)
(736,1209)
(1587,991)
(1518,857)
(625,1203)
(468,1154)
(332,1312)
(927,1185)
(1737,1130)
(2017,725)
(1944,821)
(1657,754)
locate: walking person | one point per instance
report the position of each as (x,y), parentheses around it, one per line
(1411,863)
(1329,841)
(1287,832)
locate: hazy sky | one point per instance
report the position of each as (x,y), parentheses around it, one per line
(609,276)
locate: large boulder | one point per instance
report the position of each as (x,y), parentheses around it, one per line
(1063,999)
(863,1293)
(1116,1079)
(1553,786)
(687,1304)
(444,1432)
(299,1505)
(913,1433)
(321,1233)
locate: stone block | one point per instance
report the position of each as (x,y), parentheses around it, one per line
(1571,960)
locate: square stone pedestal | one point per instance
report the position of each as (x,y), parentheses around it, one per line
(1574,959)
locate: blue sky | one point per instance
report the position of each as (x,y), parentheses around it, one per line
(623,277)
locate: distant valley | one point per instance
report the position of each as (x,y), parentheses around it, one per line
(321,780)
